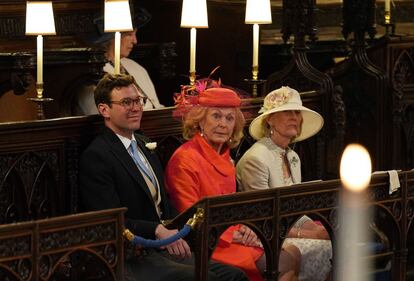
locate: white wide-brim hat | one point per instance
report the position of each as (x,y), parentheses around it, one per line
(283,99)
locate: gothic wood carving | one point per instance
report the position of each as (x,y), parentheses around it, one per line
(271,213)
(402,86)
(78,247)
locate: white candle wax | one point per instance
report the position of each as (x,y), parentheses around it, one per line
(117,52)
(193,34)
(255,44)
(387,11)
(355,170)
(39,59)
(387,6)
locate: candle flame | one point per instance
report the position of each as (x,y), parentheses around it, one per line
(355,169)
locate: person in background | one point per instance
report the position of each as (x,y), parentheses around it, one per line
(85,102)
(212,124)
(118,170)
(271,163)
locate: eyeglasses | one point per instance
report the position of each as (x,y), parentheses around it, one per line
(129,103)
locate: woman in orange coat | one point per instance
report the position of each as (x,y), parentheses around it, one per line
(213,123)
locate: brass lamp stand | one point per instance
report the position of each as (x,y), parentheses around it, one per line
(255,81)
(40,100)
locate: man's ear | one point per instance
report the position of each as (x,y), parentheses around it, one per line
(103,109)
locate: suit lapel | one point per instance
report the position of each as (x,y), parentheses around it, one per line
(158,170)
(150,157)
(119,151)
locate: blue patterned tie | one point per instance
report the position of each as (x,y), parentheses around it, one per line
(139,162)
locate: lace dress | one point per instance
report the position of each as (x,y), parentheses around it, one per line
(281,167)
(316,253)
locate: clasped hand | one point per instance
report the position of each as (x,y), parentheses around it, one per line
(179,248)
(246,236)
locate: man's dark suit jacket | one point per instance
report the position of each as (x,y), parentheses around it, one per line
(109,178)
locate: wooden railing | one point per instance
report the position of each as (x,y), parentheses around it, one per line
(89,245)
(39,179)
(39,159)
(86,246)
(272,212)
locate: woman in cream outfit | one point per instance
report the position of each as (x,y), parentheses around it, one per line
(271,163)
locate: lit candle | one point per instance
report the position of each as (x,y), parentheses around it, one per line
(117,52)
(255,44)
(193,34)
(39,59)
(387,11)
(355,171)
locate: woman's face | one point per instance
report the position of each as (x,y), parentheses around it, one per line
(285,124)
(218,125)
(128,41)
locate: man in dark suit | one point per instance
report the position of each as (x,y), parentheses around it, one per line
(118,170)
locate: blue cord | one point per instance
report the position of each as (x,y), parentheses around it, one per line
(148,243)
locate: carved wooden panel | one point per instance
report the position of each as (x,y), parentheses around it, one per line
(402,87)
(78,247)
(53,146)
(299,20)
(271,213)
(364,87)
(32,184)
(359,17)
(71,17)
(39,160)
(39,168)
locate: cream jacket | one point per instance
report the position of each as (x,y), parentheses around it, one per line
(261,166)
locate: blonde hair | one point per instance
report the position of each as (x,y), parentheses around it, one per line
(197,113)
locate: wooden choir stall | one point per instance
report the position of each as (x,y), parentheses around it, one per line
(348,64)
(39,180)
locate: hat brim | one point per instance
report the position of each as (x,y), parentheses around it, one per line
(312,122)
(140,18)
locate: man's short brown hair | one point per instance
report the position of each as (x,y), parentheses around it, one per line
(109,82)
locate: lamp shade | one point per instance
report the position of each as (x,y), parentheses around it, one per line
(258,11)
(117,16)
(194,14)
(39,18)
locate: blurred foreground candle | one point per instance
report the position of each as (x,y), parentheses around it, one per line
(355,171)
